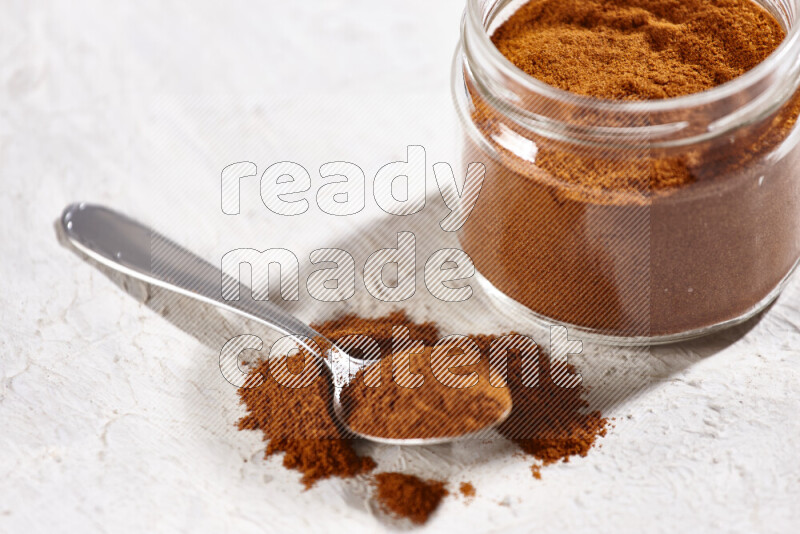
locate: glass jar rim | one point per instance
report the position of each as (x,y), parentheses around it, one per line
(473,21)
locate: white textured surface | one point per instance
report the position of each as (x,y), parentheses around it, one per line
(115,419)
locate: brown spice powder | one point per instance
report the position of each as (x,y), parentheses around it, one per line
(297,422)
(432,410)
(408,496)
(467,489)
(536,471)
(638,49)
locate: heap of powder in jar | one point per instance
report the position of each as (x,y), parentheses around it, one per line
(638,49)
(548,422)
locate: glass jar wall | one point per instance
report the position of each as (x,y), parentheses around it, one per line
(631,221)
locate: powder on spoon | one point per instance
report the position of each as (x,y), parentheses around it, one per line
(433,409)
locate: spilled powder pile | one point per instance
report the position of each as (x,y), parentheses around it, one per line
(408,496)
(548,422)
(638,49)
(297,422)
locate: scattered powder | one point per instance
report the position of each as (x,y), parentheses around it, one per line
(408,496)
(536,470)
(467,489)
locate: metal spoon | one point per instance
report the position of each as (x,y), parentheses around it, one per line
(131,248)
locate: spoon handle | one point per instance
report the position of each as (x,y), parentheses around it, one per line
(131,248)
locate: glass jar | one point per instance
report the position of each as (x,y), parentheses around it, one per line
(632,222)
